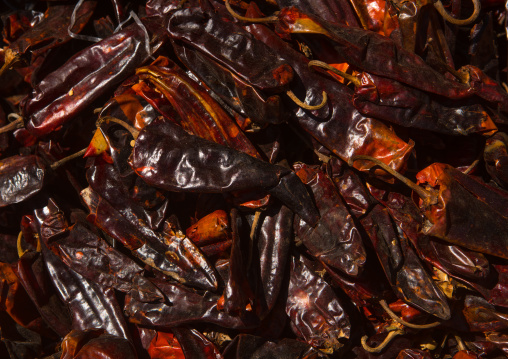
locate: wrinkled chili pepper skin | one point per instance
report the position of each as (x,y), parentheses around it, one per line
(402,266)
(166,157)
(338,124)
(21,177)
(90,256)
(231,46)
(51,30)
(164,345)
(373,53)
(315,312)
(273,244)
(195,345)
(90,305)
(184,306)
(32,275)
(335,240)
(96,343)
(90,73)
(246,346)
(462,218)
(233,90)
(337,12)
(496,158)
(198,112)
(392,101)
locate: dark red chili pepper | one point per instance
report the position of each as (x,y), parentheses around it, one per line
(92,72)
(185,163)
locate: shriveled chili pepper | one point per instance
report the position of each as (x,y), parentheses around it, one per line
(62,94)
(195,345)
(187,163)
(338,125)
(96,343)
(335,240)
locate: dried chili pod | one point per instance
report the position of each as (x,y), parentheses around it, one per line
(184,306)
(90,73)
(231,46)
(95,343)
(165,345)
(273,241)
(32,275)
(464,217)
(52,30)
(335,240)
(233,90)
(315,312)
(402,266)
(90,305)
(496,158)
(198,112)
(170,253)
(246,346)
(89,255)
(482,316)
(336,12)
(212,228)
(338,125)
(195,345)
(392,101)
(20,178)
(186,163)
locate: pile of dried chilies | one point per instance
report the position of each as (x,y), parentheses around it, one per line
(271,179)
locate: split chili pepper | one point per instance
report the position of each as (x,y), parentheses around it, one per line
(335,240)
(186,163)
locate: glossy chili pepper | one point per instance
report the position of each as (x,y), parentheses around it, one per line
(164,345)
(94,71)
(338,124)
(32,275)
(96,343)
(90,305)
(232,89)
(335,240)
(308,296)
(482,316)
(195,345)
(402,266)
(338,12)
(184,306)
(188,163)
(231,46)
(21,177)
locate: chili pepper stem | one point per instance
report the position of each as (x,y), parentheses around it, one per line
(18,123)
(10,58)
(429,198)
(441,10)
(64,160)
(325,66)
(303,105)
(383,345)
(403,322)
(272,18)
(460,343)
(133,131)
(21,251)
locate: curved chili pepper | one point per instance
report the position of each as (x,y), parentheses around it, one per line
(185,163)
